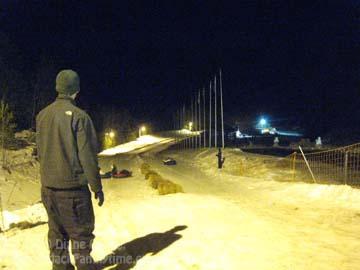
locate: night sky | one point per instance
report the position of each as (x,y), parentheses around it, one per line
(296,62)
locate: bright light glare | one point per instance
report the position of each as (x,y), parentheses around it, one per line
(263,121)
(112,134)
(143,128)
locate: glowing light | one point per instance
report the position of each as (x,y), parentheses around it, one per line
(263,122)
(142,130)
(190,125)
(109,140)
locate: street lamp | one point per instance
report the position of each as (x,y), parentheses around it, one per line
(142,130)
(262,122)
(190,125)
(109,140)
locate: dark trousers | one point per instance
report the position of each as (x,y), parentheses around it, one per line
(71,217)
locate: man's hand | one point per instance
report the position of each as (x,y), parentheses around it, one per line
(100,197)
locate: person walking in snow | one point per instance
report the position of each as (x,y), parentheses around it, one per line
(67,151)
(220,158)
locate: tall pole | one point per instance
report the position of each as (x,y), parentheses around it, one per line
(199,117)
(2,104)
(181,117)
(188,117)
(195,121)
(215,109)
(192,121)
(210,116)
(177,119)
(184,117)
(222,111)
(204,117)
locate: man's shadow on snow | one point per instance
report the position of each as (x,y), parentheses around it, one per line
(126,255)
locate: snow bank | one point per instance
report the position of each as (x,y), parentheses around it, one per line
(20,182)
(32,214)
(262,172)
(236,163)
(327,195)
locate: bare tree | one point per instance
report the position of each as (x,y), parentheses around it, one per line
(43,87)
(7,129)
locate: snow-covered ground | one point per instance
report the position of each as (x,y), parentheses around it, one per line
(20,185)
(139,143)
(237,218)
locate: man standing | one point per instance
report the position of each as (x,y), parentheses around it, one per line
(67,151)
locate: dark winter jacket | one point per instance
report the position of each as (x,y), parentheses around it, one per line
(67,146)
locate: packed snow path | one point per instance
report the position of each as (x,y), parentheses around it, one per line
(233,222)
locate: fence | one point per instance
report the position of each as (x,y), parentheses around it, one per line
(341,165)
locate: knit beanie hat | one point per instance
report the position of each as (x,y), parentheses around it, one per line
(67,82)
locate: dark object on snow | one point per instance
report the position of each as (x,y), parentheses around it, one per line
(34,152)
(115,173)
(169,161)
(122,174)
(113,169)
(221,159)
(105,174)
(23,225)
(136,249)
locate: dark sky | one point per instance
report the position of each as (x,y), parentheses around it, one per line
(292,60)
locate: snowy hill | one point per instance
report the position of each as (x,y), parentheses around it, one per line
(233,219)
